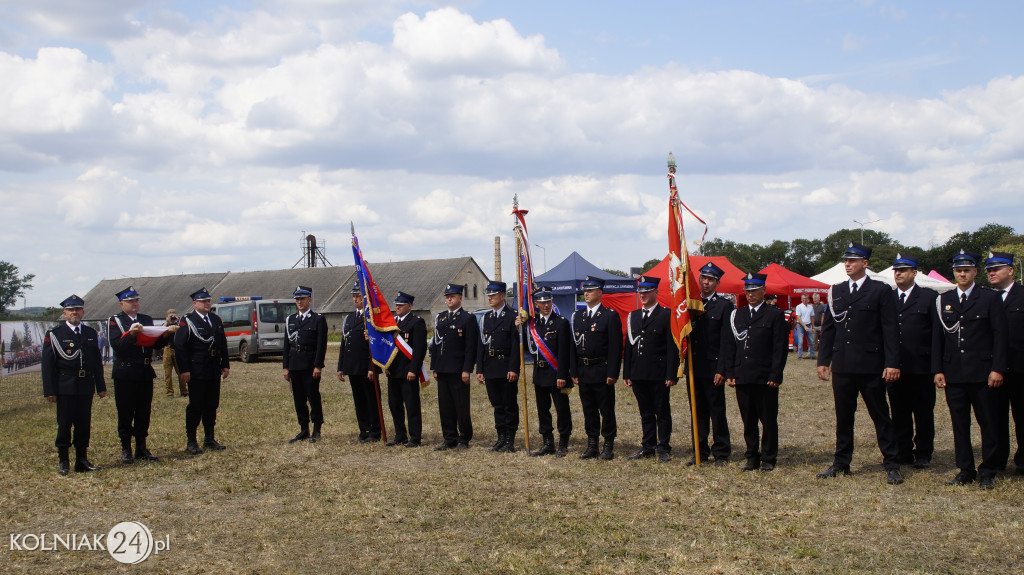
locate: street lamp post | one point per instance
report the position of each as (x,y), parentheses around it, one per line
(862,224)
(545,255)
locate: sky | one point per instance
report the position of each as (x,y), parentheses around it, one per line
(154,137)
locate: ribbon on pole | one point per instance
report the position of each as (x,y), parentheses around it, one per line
(525,285)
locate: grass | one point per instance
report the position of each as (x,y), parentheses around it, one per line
(264,506)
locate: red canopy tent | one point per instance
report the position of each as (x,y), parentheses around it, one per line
(731,283)
(790,285)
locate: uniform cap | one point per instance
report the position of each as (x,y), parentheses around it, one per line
(72,301)
(200,295)
(647,283)
(127,293)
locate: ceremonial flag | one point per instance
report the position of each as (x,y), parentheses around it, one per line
(524,286)
(148,335)
(685,288)
(381,327)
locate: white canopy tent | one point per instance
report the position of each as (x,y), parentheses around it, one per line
(837,273)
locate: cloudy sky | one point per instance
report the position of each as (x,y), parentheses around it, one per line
(149,137)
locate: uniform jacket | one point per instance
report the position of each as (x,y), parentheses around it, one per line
(555,331)
(979,345)
(131,361)
(916,320)
(706,337)
(650,353)
(60,375)
(354,358)
(203,353)
(760,356)
(866,339)
(498,352)
(305,342)
(414,331)
(456,337)
(1014,306)
(597,350)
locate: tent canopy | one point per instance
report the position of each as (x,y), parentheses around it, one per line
(565,278)
(922,280)
(787,283)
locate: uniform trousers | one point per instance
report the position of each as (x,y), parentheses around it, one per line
(170,369)
(203,401)
(912,404)
(404,402)
(711,418)
(759,405)
(73,411)
(845,389)
(453,406)
(1009,398)
(652,399)
(306,390)
(505,402)
(598,399)
(547,395)
(134,401)
(961,398)
(364,400)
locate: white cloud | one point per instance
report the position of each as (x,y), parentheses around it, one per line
(821,197)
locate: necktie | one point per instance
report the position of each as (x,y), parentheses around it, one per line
(903,298)
(1003,293)
(853,290)
(208,323)
(646,313)
(78,330)
(963,299)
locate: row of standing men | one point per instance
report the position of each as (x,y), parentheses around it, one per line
(745,348)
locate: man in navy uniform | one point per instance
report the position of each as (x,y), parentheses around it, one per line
(354,361)
(969,358)
(201,349)
(404,375)
(452,355)
(706,339)
(72,371)
(912,396)
(999,268)
(133,373)
(755,345)
(649,366)
(551,383)
(305,346)
(497,364)
(596,359)
(860,341)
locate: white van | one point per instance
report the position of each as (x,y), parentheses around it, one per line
(254,326)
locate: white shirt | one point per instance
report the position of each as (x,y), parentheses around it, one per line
(805,312)
(859,283)
(592,310)
(960,293)
(906,294)
(753,309)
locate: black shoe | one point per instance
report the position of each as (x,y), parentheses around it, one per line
(63,467)
(751,465)
(374,438)
(988,482)
(833,471)
(193,448)
(126,456)
(510,444)
(396,441)
(411,443)
(893,477)
(642,454)
(664,457)
(460,446)
(144,454)
(608,453)
(213,444)
(302,435)
(591,451)
(563,446)
(364,436)
(547,449)
(315,436)
(444,447)
(721,460)
(922,462)
(766,467)
(693,461)
(962,478)
(82,465)
(499,443)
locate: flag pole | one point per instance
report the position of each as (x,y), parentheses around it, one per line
(522,356)
(373,368)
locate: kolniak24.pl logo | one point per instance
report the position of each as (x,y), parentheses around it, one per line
(128,542)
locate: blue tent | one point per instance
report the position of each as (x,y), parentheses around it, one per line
(564,280)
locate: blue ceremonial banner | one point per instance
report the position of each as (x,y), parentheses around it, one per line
(380,322)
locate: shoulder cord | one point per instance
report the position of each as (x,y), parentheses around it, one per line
(60,351)
(192,328)
(740,336)
(836,318)
(938,311)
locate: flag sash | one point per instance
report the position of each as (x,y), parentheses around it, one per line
(525,286)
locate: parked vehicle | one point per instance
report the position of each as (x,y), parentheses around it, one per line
(254,326)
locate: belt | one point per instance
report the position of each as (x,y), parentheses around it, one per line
(493,353)
(542,363)
(145,361)
(306,347)
(593,360)
(213,352)
(75,372)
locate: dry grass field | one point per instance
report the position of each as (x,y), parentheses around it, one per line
(264,506)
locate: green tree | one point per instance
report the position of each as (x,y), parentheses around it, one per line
(11,286)
(27,341)
(836,243)
(803,256)
(619,273)
(649,264)
(15,343)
